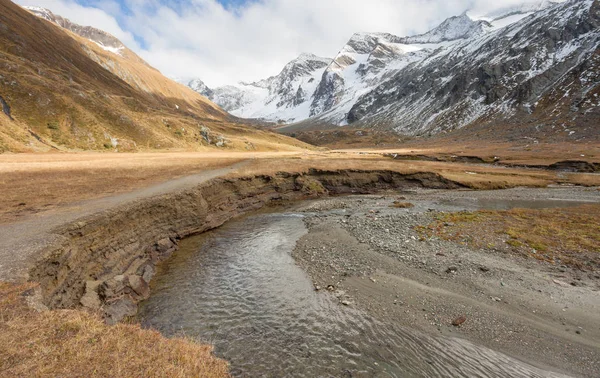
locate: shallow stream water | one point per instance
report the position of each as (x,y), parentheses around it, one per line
(238,288)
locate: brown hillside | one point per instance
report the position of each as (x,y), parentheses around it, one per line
(65,92)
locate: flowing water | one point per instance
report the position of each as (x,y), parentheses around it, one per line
(238,288)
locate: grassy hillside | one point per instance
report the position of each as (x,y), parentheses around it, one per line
(64,92)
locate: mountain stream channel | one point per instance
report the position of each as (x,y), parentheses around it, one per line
(344,287)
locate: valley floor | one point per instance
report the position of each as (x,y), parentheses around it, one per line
(43,191)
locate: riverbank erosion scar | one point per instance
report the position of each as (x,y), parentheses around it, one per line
(106,261)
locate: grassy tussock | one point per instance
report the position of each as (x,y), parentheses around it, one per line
(70,343)
(402,205)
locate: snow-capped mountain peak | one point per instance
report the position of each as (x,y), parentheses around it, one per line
(284,97)
(460,71)
(454,28)
(199,86)
(520,9)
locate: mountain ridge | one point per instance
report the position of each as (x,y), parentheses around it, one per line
(375,72)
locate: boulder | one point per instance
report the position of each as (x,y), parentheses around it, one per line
(120,309)
(139,286)
(91,299)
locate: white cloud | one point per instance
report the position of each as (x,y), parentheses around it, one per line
(223,46)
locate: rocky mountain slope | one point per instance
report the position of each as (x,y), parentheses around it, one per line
(69,87)
(506,67)
(284,97)
(102,38)
(512,72)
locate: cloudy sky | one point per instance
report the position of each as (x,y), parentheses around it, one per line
(226,41)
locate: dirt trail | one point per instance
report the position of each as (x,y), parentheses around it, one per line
(22,242)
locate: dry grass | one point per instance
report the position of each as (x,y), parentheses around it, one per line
(31,183)
(518,152)
(583,179)
(69,343)
(475,177)
(568,236)
(402,205)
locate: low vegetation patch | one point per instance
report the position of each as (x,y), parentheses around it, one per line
(568,236)
(71,343)
(402,205)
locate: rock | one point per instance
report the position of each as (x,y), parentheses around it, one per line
(91,299)
(148,272)
(496,299)
(139,286)
(317,288)
(346,303)
(459,321)
(35,299)
(484,269)
(578,332)
(221,141)
(164,245)
(112,287)
(330,288)
(117,311)
(452,269)
(561,283)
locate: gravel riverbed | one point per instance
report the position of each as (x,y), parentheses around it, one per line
(369,255)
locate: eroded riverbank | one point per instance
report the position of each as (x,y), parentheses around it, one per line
(239,288)
(105,262)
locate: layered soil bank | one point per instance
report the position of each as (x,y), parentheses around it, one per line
(580,166)
(105,262)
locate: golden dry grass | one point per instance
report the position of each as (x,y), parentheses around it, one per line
(401,205)
(584,179)
(508,152)
(70,343)
(472,176)
(30,183)
(568,236)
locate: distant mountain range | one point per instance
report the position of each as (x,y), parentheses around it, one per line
(535,63)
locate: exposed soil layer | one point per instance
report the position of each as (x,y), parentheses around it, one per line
(580,166)
(106,261)
(370,254)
